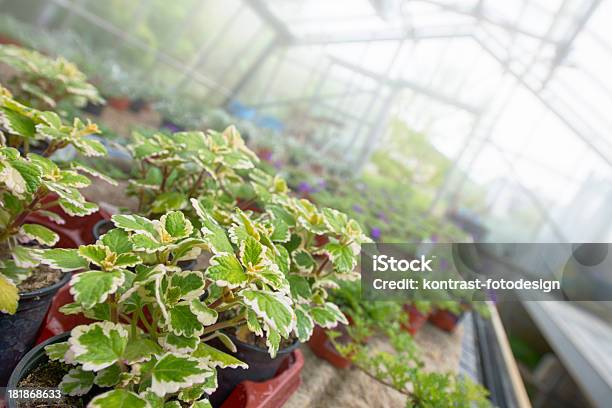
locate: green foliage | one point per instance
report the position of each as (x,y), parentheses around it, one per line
(46,83)
(175,168)
(30,183)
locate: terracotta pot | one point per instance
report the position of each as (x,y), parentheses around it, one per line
(445,320)
(416,319)
(4,39)
(119,103)
(272,393)
(322,347)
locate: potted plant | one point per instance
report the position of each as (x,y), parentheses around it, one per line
(148,344)
(30,185)
(46,83)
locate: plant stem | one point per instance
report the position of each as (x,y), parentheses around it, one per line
(223,325)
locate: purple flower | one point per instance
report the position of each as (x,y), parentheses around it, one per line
(433,238)
(304,187)
(278,164)
(375,233)
(322,183)
(382,216)
(357,208)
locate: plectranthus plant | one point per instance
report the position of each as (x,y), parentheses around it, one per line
(47,83)
(147,346)
(177,167)
(322,247)
(30,184)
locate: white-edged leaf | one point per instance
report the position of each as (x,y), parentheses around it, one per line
(98,345)
(118,398)
(173,372)
(40,234)
(65,260)
(226,270)
(93,287)
(273,308)
(217,358)
(77,382)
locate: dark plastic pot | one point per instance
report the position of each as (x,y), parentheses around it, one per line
(94,109)
(261,367)
(18,332)
(34,358)
(101,227)
(138,105)
(171,126)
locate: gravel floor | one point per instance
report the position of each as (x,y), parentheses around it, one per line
(325,386)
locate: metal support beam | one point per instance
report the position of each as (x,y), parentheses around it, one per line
(376,130)
(251,72)
(261,9)
(403,83)
(474,12)
(206,49)
(378,36)
(564,47)
(319,98)
(552,109)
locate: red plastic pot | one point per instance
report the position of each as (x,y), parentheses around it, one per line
(322,347)
(272,393)
(79,229)
(120,103)
(8,41)
(445,320)
(416,319)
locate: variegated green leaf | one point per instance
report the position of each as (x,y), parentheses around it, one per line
(212,232)
(93,287)
(173,372)
(217,358)
(183,322)
(60,352)
(205,315)
(176,225)
(25,257)
(304,324)
(191,284)
(178,344)
(328,315)
(77,382)
(40,234)
(273,308)
(98,345)
(226,270)
(108,376)
(118,398)
(8,296)
(65,260)
(304,261)
(135,223)
(342,256)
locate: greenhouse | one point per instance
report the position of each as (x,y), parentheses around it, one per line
(305,203)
